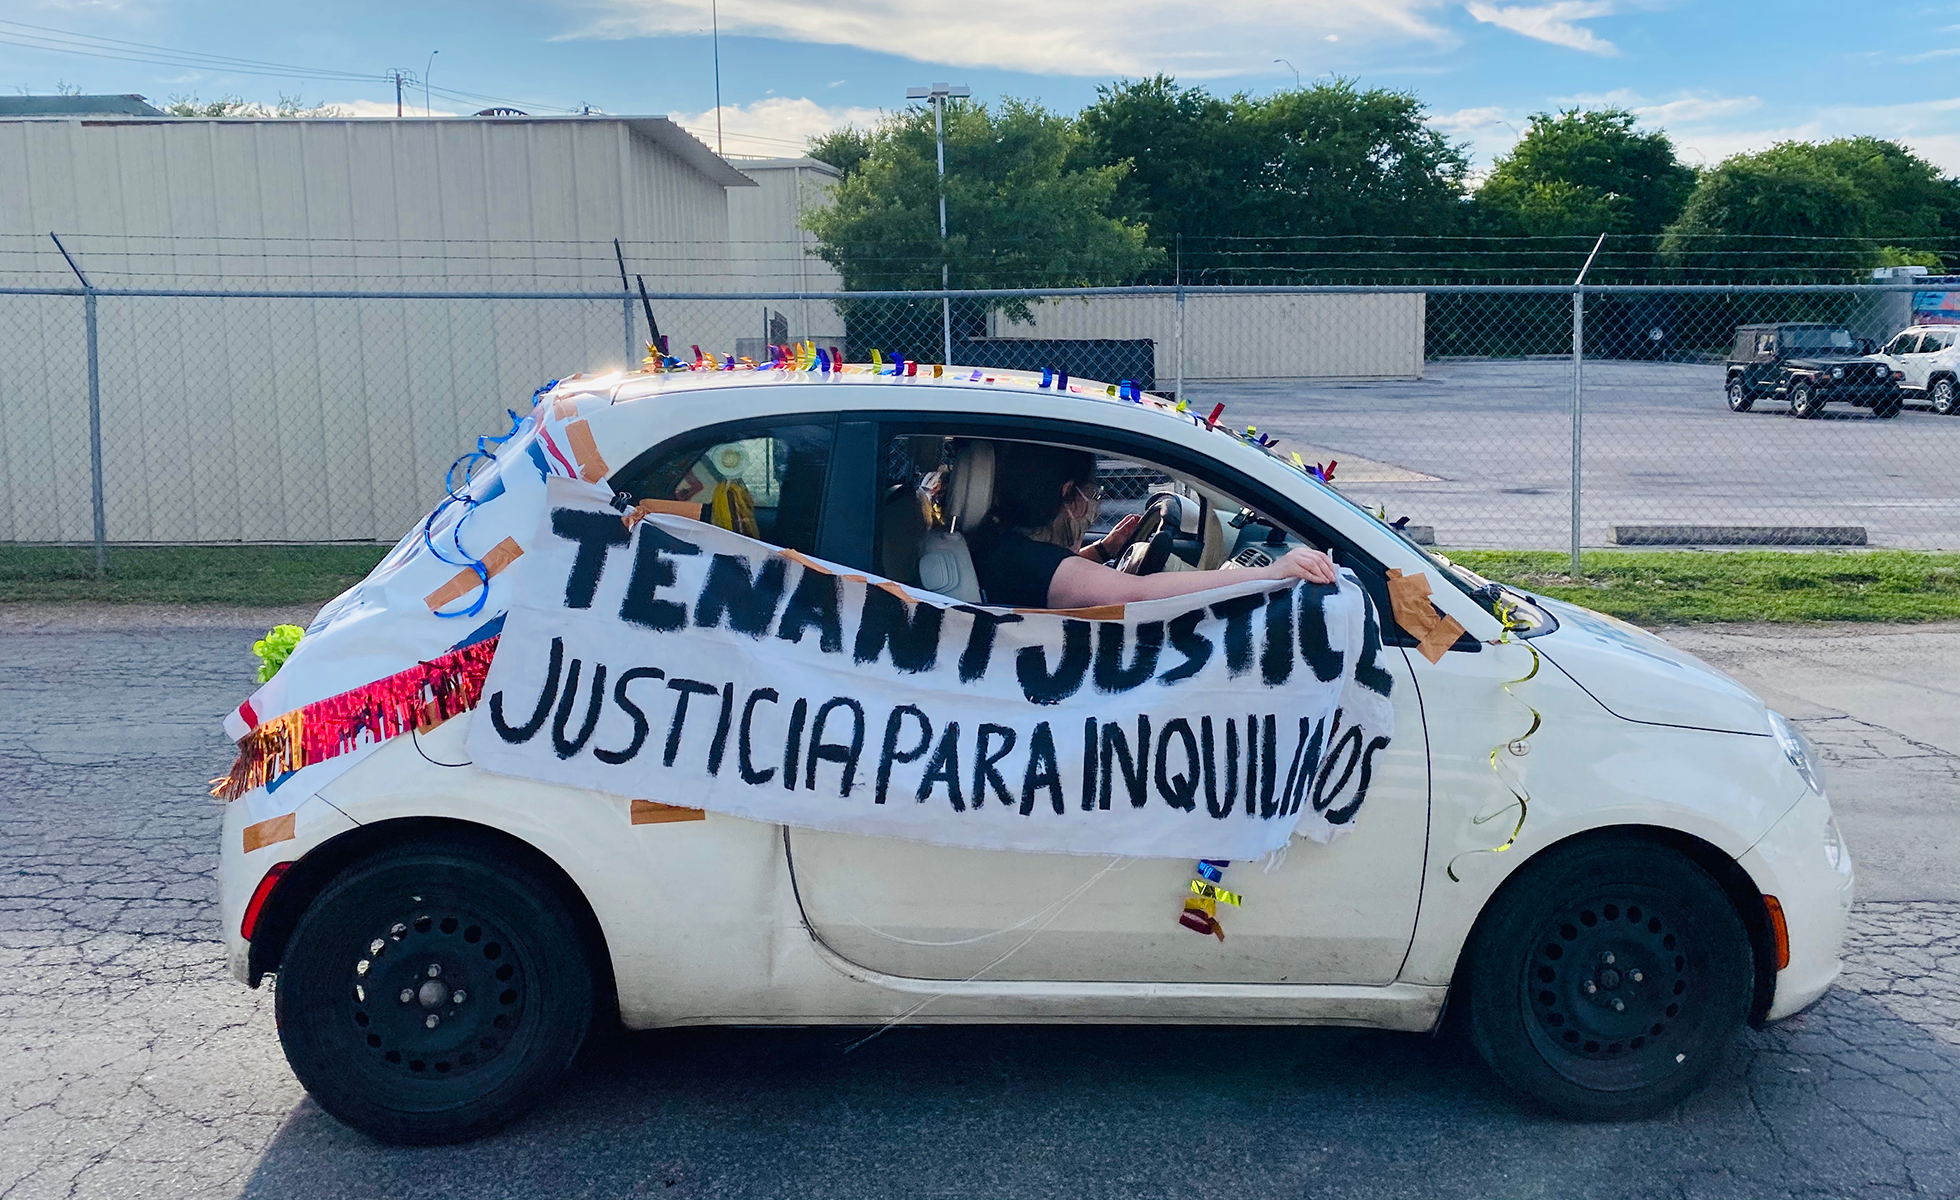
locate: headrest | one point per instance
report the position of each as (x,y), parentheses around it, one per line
(970,486)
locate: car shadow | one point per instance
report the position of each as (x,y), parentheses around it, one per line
(1846,1098)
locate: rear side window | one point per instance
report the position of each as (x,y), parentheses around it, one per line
(765,483)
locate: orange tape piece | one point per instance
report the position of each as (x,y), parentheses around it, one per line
(268,833)
(652,812)
(1095,612)
(1441,636)
(666,508)
(1435,632)
(463,582)
(591,465)
(806,562)
(563,407)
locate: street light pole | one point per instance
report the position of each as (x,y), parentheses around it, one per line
(938,94)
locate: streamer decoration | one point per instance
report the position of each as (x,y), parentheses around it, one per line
(421,697)
(1520,796)
(468,462)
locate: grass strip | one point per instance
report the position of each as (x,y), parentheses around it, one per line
(1655,587)
(258,576)
(1645,586)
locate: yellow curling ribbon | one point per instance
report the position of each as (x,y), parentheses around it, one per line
(1211,891)
(1512,783)
(1204,904)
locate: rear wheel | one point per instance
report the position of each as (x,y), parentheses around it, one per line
(1943,397)
(433,994)
(1606,980)
(1739,398)
(1804,400)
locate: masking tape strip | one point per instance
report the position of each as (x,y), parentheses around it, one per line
(460,584)
(268,833)
(563,407)
(666,508)
(1408,597)
(652,812)
(1441,636)
(591,465)
(1095,612)
(1211,891)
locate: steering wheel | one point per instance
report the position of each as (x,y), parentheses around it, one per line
(1150,547)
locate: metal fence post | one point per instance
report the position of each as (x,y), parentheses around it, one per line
(1578,414)
(1579,395)
(626,319)
(94,414)
(1177,348)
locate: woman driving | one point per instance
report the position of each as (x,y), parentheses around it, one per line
(1045,498)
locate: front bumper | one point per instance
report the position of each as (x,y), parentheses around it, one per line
(1792,862)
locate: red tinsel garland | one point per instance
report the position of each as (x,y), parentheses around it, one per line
(422,696)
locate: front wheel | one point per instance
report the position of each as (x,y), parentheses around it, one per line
(1942,395)
(431,994)
(1605,980)
(1804,401)
(1739,398)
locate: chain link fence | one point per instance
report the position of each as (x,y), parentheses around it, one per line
(1497,416)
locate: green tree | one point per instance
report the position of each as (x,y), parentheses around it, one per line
(1773,215)
(1911,202)
(846,148)
(1283,183)
(238,106)
(1019,213)
(1585,173)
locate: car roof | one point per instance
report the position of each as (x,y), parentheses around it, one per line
(1795,325)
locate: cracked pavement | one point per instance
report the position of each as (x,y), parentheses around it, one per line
(131,1064)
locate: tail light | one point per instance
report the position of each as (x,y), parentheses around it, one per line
(260,895)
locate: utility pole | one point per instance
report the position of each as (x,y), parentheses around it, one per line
(714,16)
(1579,394)
(938,93)
(397,73)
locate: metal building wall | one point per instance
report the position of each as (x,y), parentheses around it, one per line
(769,248)
(312,419)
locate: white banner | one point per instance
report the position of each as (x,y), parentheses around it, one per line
(682,663)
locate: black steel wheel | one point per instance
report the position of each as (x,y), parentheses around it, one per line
(1739,398)
(1943,397)
(1606,980)
(1804,400)
(432,995)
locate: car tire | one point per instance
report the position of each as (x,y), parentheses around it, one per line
(432,994)
(1888,407)
(1804,401)
(1640,925)
(1942,395)
(1739,398)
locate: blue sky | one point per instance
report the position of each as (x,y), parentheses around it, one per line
(1721,77)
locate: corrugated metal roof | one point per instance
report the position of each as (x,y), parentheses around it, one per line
(76,106)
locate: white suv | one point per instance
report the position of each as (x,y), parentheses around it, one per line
(1927,358)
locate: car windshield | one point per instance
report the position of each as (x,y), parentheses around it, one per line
(1508,604)
(1830,341)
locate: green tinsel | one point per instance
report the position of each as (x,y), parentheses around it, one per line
(275,648)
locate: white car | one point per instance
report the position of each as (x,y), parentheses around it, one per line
(1606,869)
(1927,359)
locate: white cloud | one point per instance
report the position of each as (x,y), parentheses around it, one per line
(1550,22)
(1686,108)
(778,127)
(1064,37)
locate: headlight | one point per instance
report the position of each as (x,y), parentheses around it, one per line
(1883,372)
(1797,750)
(1837,372)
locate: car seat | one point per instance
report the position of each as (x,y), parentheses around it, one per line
(945,563)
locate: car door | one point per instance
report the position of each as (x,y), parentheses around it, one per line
(1762,375)
(1911,363)
(1339,913)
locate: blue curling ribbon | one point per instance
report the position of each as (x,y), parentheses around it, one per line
(1213,871)
(467,463)
(1061,381)
(1047,377)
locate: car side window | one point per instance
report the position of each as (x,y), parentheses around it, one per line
(1907,343)
(765,483)
(1765,345)
(1936,342)
(1898,345)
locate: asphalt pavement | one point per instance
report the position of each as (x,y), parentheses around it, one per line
(131,1065)
(1482,450)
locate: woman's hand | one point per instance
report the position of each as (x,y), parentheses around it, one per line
(1112,544)
(1302,562)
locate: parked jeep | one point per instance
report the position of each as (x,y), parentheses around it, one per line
(1926,360)
(1809,364)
